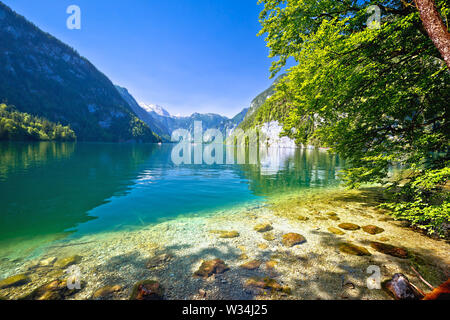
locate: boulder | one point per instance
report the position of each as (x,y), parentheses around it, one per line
(372,229)
(263,227)
(106,291)
(400,288)
(208,268)
(68,261)
(390,250)
(147,290)
(353,249)
(336,231)
(14,281)
(251,265)
(349,226)
(292,239)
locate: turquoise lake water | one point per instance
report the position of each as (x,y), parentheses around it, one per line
(72,189)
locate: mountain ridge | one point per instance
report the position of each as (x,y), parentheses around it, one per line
(42,76)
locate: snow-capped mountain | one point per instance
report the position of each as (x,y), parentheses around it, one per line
(149,107)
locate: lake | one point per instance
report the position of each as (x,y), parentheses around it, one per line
(70,189)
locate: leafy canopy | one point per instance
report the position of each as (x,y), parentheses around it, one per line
(378,97)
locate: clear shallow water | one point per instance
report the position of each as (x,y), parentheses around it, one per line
(54,190)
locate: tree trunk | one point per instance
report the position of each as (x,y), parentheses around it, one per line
(435,27)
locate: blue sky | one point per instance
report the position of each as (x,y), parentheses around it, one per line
(185,55)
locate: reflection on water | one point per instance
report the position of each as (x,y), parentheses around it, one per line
(63,188)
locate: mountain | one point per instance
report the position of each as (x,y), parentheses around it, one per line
(145,114)
(250,120)
(44,77)
(154,108)
(163,123)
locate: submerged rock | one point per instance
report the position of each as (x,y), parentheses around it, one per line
(263,227)
(401,289)
(211,267)
(271,264)
(263,246)
(251,265)
(353,249)
(336,231)
(269,236)
(226,234)
(147,290)
(47,262)
(349,226)
(390,250)
(159,261)
(372,229)
(14,281)
(292,239)
(106,291)
(55,290)
(243,256)
(266,283)
(68,261)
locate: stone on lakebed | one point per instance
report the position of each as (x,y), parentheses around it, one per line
(159,261)
(68,261)
(147,290)
(263,227)
(353,249)
(266,284)
(55,290)
(225,234)
(14,281)
(349,226)
(106,291)
(251,265)
(372,229)
(390,250)
(269,236)
(336,231)
(292,239)
(211,267)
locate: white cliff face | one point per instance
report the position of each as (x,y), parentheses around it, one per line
(271,132)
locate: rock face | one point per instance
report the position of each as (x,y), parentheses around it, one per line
(147,290)
(68,261)
(211,267)
(372,229)
(44,77)
(353,249)
(336,231)
(251,265)
(349,226)
(390,250)
(263,227)
(401,289)
(14,281)
(292,239)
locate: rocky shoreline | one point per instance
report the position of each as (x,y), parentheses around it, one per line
(298,246)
